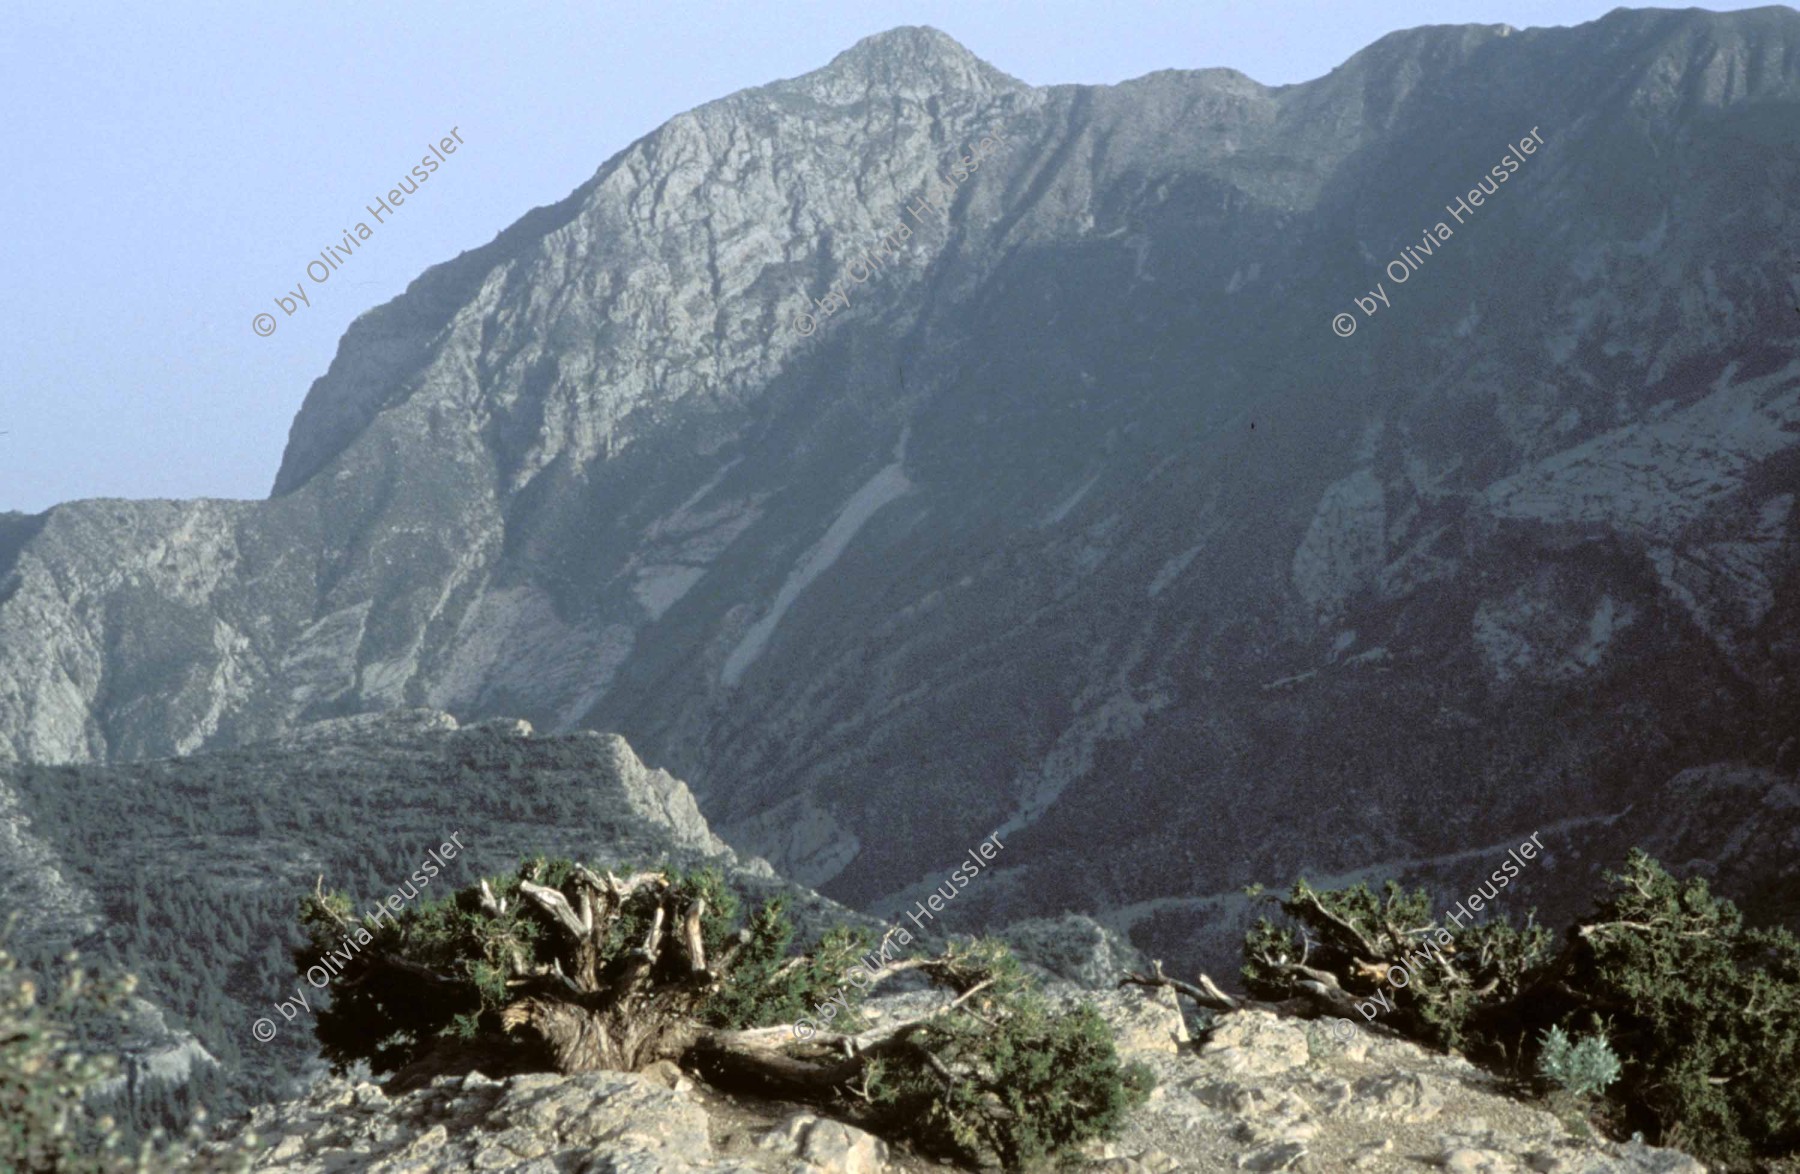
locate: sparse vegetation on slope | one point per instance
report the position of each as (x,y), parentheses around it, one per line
(50,1067)
(566,969)
(198,892)
(1697,1012)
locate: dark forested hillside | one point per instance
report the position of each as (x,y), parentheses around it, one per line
(199,864)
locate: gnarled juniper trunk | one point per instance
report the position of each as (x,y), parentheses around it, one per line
(586,1039)
(564,969)
(638,1008)
(620,982)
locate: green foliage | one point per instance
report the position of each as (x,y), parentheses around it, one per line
(1584,1068)
(1360,937)
(376,1021)
(213,951)
(1706,1011)
(1489,965)
(1026,1080)
(1703,1010)
(768,987)
(49,1074)
(988,963)
(1015,1082)
(486,946)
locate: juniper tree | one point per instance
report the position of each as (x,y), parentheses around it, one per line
(567,969)
(1704,1010)
(1701,1010)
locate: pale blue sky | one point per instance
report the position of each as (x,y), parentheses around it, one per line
(169,169)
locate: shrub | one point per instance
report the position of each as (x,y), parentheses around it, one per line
(1586,1068)
(489,943)
(563,968)
(1359,938)
(770,987)
(47,1076)
(1704,1011)
(1054,1075)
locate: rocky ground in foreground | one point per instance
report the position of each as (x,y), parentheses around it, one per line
(1253,1095)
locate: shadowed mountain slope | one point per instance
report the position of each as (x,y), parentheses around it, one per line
(1077,521)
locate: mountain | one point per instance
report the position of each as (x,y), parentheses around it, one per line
(1084,525)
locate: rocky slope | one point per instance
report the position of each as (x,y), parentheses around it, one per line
(1254,1095)
(1077,521)
(162,862)
(188,871)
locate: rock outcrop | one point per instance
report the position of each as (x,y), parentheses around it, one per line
(1259,1093)
(1266,1093)
(606,1123)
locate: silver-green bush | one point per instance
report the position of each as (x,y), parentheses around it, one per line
(1585,1068)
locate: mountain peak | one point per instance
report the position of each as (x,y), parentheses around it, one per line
(917,44)
(913,61)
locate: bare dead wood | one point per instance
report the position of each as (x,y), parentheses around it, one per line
(761,1059)
(491,905)
(652,947)
(588,877)
(901,966)
(552,901)
(1588,931)
(1207,994)
(791,965)
(1368,947)
(530,975)
(692,938)
(583,1010)
(321,903)
(729,1062)
(1323,996)
(622,890)
(596,927)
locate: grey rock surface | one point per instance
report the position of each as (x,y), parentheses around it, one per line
(1078,521)
(1267,1093)
(1256,1096)
(526,1125)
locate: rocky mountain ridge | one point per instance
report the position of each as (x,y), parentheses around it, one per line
(1079,522)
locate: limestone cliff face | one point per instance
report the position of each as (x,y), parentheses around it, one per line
(1077,521)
